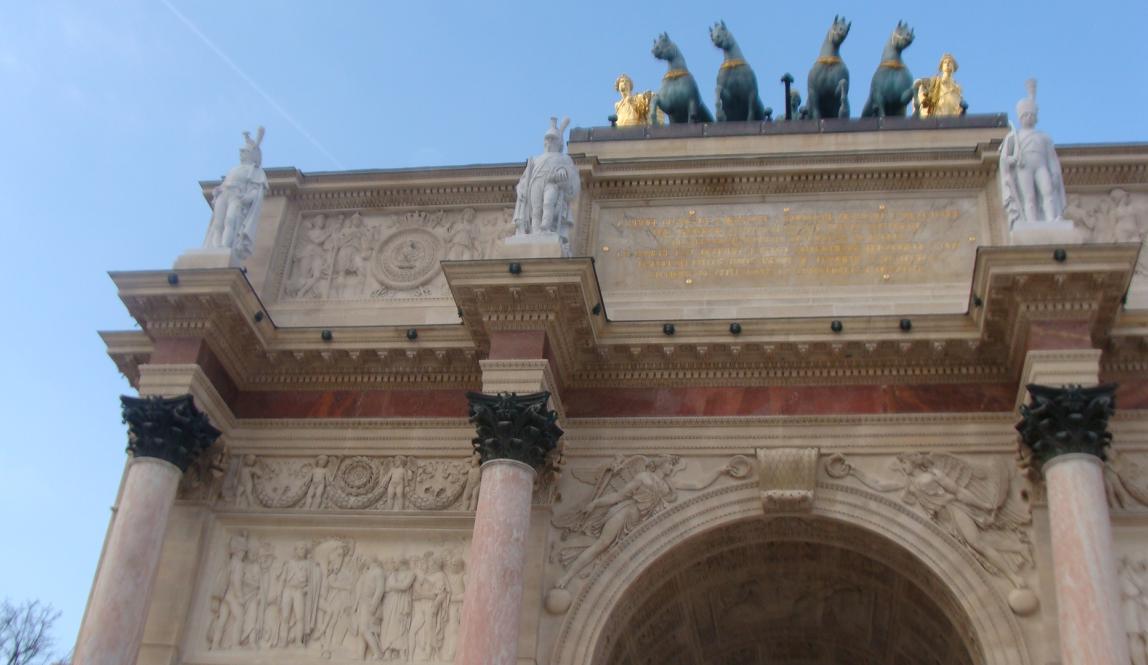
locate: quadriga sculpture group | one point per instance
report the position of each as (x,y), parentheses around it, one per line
(891,92)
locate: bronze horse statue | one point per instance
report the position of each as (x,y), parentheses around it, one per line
(829,77)
(678,97)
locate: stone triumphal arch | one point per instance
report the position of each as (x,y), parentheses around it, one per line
(858,579)
(813,391)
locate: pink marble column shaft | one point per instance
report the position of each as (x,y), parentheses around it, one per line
(114,624)
(493,601)
(1084,564)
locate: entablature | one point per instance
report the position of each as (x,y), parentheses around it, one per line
(1077,295)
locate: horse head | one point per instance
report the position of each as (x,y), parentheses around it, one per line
(839,30)
(902,36)
(721,36)
(664,49)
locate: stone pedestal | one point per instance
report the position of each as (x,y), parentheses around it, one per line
(1063,438)
(533,246)
(516,435)
(194,259)
(1060,232)
(165,436)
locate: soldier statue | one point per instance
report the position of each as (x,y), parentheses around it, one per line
(547,191)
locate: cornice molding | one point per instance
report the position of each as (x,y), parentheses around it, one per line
(560,296)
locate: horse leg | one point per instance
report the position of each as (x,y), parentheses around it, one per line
(843,98)
(814,103)
(719,108)
(692,111)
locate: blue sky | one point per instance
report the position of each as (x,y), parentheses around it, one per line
(113,112)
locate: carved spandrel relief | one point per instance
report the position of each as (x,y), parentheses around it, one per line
(338,599)
(358,482)
(974,504)
(627,492)
(388,256)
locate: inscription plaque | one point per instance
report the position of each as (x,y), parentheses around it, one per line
(798,244)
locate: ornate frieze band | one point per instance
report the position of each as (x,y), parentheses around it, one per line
(515,427)
(167,428)
(1071,419)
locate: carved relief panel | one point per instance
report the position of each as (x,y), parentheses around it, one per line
(617,497)
(355,482)
(1126,482)
(273,597)
(386,256)
(1118,216)
(975,503)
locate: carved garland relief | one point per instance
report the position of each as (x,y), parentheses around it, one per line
(362,255)
(336,598)
(358,482)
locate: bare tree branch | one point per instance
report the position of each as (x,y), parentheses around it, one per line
(25,632)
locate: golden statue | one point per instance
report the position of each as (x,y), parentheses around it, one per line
(940,95)
(634,109)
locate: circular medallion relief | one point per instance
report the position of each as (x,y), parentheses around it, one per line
(407,258)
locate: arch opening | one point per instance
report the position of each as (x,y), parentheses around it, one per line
(798,591)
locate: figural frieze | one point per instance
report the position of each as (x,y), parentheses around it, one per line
(338,256)
(1116,216)
(359,482)
(337,599)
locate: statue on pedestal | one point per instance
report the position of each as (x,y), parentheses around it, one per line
(940,95)
(236,202)
(891,89)
(1032,188)
(547,190)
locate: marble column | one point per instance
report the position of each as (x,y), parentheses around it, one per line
(1064,434)
(517,438)
(164,436)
